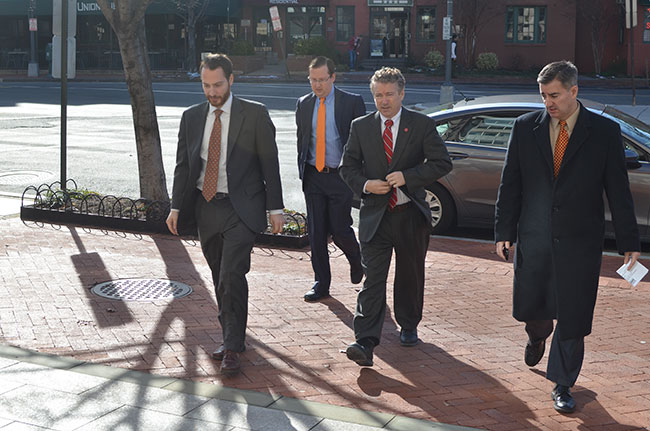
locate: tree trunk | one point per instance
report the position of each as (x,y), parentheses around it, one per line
(147,136)
(127,20)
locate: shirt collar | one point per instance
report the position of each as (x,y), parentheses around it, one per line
(395,118)
(570,122)
(226,107)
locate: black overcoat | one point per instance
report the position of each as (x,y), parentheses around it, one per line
(558,224)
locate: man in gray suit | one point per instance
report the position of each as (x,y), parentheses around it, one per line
(391,155)
(227,176)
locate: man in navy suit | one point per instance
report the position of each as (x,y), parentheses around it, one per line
(323,118)
(560,161)
(227,177)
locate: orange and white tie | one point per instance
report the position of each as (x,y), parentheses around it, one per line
(560,147)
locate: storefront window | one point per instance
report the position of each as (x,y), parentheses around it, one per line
(344,23)
(426,24)
(262,30)
(526,24)
(646,25)
(305,22)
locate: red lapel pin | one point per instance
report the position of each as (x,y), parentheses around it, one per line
(406,129)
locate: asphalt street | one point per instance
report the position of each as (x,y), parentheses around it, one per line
(100,138)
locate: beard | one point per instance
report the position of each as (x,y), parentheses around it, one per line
(218,101)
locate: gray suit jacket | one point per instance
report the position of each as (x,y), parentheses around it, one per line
(252,164)
(419,153)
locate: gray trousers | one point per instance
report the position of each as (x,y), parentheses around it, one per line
(227,243)
(565,357)
(407,233)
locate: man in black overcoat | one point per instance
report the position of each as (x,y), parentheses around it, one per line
(391,155)
(559,162)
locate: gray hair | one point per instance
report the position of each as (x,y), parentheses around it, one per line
(388,75)
(564,71)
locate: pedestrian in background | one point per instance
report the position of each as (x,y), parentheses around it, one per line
(559,163)
(323,118)
(391,155)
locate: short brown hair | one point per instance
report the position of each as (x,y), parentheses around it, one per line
(388,75)
(564,71)
(321,61)
(215,61)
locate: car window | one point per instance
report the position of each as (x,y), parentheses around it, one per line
(487,130)
(629,147)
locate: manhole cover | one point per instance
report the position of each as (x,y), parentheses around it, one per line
(23,177)
(141,289)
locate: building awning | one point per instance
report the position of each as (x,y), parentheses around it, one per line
(215,8)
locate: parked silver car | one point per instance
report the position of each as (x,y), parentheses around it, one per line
(476,133)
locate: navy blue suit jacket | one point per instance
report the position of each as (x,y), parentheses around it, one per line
(347,107)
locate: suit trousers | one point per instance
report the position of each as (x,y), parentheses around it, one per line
(329,203)
(565,357)
(407,233)
(227,244)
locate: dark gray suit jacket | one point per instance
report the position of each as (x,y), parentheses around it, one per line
(347,107)
(419,153)
(252,164)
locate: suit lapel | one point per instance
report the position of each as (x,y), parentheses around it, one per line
(339,109)
(403,136)
(578,136)
(543,138)
(236,120)
(307,116)
(198,125)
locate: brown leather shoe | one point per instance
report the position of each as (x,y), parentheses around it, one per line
(217,355)
(230,364)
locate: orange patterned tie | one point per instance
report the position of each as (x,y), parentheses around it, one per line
(212,165)
(320,136)
(560,146)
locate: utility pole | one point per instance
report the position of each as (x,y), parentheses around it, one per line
(447,88)
(630,23)
(32,69)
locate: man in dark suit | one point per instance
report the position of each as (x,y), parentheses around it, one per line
(323,118)
(227,176)
(560,161)
(390,178)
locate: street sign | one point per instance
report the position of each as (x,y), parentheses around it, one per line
(56,57)
(446,28)
(33,24)
(57,7)
(275,18)
(630,13)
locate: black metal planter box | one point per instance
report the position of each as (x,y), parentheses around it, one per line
(52,205)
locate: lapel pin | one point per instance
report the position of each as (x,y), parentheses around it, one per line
(406,129)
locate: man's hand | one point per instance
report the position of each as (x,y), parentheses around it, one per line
(277,221)
(396,179)
(631,257)
(378,187)
(172,222)
(501,245)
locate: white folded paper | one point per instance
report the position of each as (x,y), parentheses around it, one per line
(634,275)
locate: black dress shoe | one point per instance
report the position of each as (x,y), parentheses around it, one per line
(563,402)
(315,295)
(360,354)
(217,355)
(408,337)
(534,353)
(230,364)
(356,273)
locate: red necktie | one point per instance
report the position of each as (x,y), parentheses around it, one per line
(214,153)
(320,136)
(388,149)
(560,146)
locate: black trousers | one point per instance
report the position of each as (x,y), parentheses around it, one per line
(329,203)
(407,233)
(565,357)
(227,244)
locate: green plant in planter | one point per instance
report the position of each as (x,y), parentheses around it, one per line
(434,59)
(487,61)
(242,47)
(314,46)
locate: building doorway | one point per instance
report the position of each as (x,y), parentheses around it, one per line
(398,33)
(389,33)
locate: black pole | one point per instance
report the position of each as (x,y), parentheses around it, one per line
(64,89)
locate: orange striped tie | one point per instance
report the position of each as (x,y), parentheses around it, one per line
(560,147)
(214,153)
(320,136)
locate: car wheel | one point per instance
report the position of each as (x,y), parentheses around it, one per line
(443,210)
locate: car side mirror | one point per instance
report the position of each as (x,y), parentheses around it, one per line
(631,159)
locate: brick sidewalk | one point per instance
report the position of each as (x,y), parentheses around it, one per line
(468,369)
